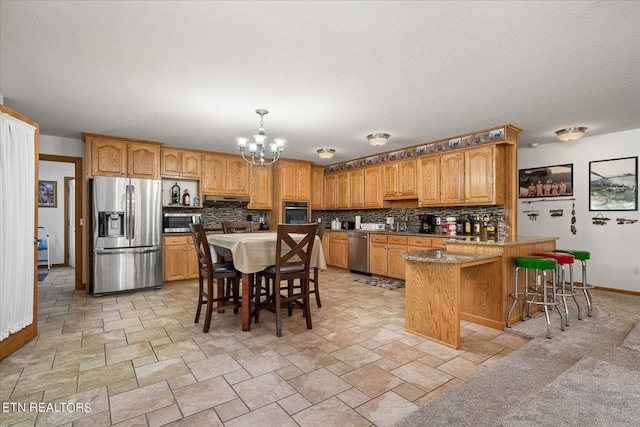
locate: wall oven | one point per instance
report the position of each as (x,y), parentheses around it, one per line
(295,212)
(174,222)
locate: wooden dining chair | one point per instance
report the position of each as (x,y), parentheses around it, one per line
(293,258)
(226,277)
(237,227)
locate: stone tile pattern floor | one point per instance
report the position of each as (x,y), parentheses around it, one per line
(138,359)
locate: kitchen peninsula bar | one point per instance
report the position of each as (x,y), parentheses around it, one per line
(470,280)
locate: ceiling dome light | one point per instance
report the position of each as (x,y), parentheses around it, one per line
(326,153)
(377,139)
(569,134)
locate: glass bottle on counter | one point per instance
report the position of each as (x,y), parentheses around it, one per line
(491,229)
(468,228)
(477,226)
(186,198)
(502,229)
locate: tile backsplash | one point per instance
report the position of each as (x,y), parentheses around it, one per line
(380,215)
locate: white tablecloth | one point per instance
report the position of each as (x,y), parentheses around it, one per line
(253,252)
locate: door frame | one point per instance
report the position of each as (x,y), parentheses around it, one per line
(77,161)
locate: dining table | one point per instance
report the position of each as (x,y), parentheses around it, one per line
(252,253)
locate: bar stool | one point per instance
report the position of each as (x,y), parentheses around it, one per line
(565,289)
(582,256)
(540,266)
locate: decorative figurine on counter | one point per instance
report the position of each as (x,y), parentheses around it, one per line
(186,198)
(175,194)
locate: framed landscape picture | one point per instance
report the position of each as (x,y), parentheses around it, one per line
(547,181)
(613,184)
(47,195)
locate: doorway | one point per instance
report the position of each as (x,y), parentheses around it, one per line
(73,247)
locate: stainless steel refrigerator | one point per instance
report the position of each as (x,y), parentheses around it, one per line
(126,234)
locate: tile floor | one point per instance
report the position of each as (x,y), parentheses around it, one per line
(139,360)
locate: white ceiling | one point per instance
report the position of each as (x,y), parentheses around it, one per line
(191,74)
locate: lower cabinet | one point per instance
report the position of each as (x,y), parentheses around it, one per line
(338,253)
(384,255)
(179,258)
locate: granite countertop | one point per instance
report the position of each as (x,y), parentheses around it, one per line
(444,257)
(473,240)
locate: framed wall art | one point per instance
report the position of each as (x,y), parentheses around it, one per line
(547,181)
(613,184)
(47,194)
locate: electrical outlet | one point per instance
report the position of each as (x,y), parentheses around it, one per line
(636,270)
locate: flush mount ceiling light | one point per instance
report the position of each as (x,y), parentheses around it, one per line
(257,149)
(569,134)
(377,139)
(326,153)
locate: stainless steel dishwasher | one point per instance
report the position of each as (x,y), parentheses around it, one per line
(359,252)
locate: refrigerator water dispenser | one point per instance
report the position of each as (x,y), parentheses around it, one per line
(110,224)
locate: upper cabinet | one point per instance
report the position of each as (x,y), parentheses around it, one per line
(452,178)
(180,163)
(373,187)
(344,190)
(317,187)
(466,177)
(293,180)
(225,175)
(400,179)
(260,185)
(113,156)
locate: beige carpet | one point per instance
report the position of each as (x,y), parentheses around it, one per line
(591,369)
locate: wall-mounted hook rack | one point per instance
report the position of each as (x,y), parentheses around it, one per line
(626,220)
(600,219)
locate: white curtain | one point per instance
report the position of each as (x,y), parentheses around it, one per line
(17,218)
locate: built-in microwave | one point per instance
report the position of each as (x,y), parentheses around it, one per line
(174,222)
(295,212)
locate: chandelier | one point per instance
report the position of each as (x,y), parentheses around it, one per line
(257,149)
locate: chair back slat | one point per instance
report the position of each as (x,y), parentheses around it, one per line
(237,227)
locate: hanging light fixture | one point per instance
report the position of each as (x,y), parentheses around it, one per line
(257,149)
(326,153)
(569,134)
(377,139)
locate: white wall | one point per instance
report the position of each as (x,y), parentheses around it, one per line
(615,249)
(53,218)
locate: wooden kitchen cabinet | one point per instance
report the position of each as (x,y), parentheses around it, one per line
(400,179)
(418,243)
(180,163)
(472,177)
(384,255)
(317,187)
(452,178)
(260,185)
(343,192)
(225,175)
(480,176)
(338,249)
(179,258)
(113,156)
(373,197)
(356,188)
(330,194)
(429,181)
(293,180)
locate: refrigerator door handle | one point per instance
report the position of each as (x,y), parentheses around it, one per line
(127,250)
(130,203)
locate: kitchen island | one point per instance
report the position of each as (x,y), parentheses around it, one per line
(470,280)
